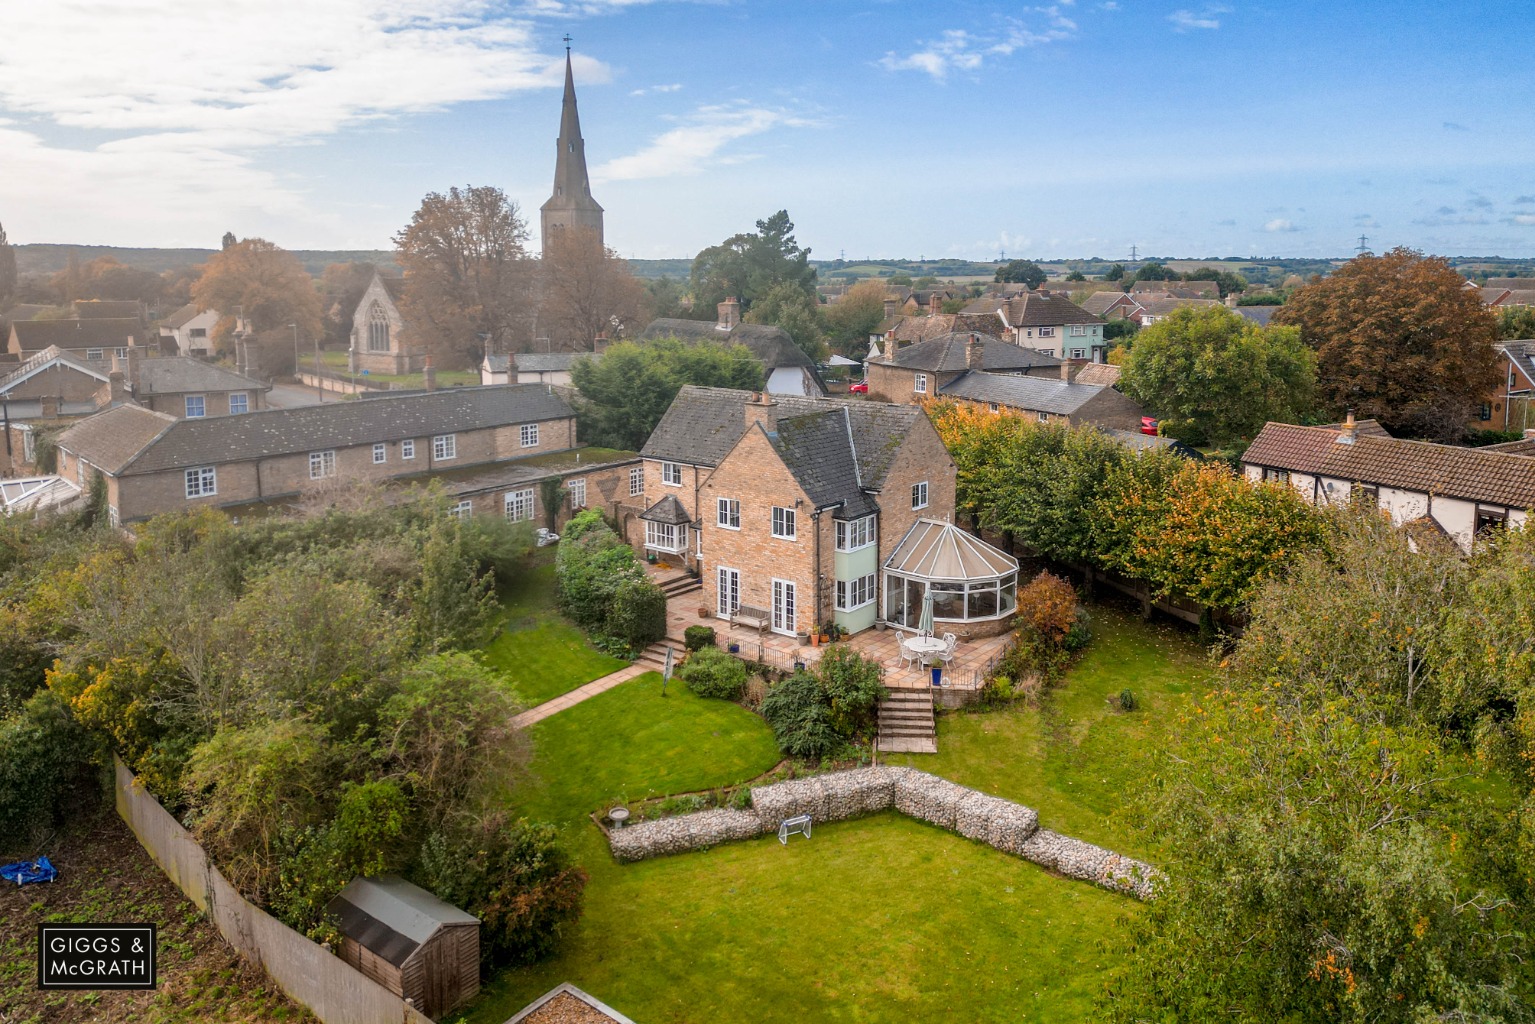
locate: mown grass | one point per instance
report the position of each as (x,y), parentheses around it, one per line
(336,362)
(875,920)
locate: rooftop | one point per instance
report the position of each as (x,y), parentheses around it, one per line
(950,352)
(1034,394)
(392,917)
(178,374)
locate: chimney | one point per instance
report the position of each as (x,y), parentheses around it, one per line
(729,313)
(1066,370)
(975,353)
(601,344)
(889,307)
(50,407)
(429,374)
(760,408)
(1529,434)
(117,390)
(1231,301)
(1350,429)
(934,304)
(132,367)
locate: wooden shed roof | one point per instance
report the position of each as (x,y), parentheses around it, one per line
(391,917)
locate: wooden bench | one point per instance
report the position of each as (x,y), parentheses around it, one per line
(755,617)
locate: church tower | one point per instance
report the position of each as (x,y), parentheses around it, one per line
(571,205)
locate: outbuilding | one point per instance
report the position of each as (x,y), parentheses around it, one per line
(409,941)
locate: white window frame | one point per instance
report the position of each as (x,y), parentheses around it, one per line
(202,406)
(322,464)
(727,596)
(671,538)
(529,435)
(1078,330)
(856,593)
(636,481)
(380,453)
(993,407)
(919,384)
(444,447)
(202,482)
(243,399)
(462,509)
(518,506)
(919,495)
(407,449)
(94,353)
(784,525)
(577,490)
(1047,332)
(728,513)
(1043,417)
(669,470)
(855,534)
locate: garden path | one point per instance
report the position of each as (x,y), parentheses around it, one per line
(576,696)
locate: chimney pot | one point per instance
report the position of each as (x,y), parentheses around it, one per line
(975,353)
(1350,429)
(729,313)
(761,408)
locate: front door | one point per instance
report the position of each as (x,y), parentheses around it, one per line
(783,607)
(729,592)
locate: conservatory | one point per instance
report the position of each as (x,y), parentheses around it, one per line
(972,584)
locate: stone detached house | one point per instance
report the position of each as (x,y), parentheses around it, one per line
(796,508)
(191,388)
(154,462)
(1456,492)
(189,330)
(789,370)
(921,371)
(1047,401)
(379,335)
(92,338)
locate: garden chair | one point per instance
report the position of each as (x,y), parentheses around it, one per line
(946,655)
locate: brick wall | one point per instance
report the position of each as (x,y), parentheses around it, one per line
(922,457)
(1110,409)
(606,489)
(215,403)
(56,381)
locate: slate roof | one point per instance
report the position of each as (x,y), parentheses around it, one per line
(703,424)
(1162,307)
(1103,375)
(498,364)
(36,335)
(554,362)
(1178,289)
(178,374)
(1149,442)
(1259,315)
(818,449)
(392,917)
(51,354)
(1045,309)
(223,439)
(1034,394)
(109,309)
(1470,474)
(668,510)
(948,353)
(112,439)
(181,317)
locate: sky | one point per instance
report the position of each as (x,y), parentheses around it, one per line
(887,129)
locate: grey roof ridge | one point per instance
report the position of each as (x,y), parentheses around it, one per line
(847,422)
(171,422)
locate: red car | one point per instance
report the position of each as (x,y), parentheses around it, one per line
(1149,425)
(861,387)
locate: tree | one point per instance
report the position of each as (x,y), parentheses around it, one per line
(853,318)
(787,306)
(1225,280)
(1076,275)
(1515,323)
(341,288)
(1115,273)
(468,277)
(1399,339)
(1022,272)
(1154,271)
(665,297)
(105,278)
(7,270)
(1215,377)
(267,285)
(748,266)
(625,394)
(588,290)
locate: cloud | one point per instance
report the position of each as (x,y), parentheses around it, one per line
(1185,20)
(1446,216)
(1279,225)
(1521,219)
(1365,220)
(671,87)
(1479,202)
(1452,126)
(180,135)
(703,139)
(1228,223)
(958,50)
(1523,200)
(1445,211)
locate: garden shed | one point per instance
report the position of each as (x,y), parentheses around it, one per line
(409,941)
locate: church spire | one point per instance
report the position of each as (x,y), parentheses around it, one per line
(571,205)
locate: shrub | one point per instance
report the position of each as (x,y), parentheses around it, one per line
(852,687)
(638,613)
(800,715)
(1127,701)
(46,759)
(513,875)
(696,638)
(593,562)
(1048,604)
(364,838)
(713,673)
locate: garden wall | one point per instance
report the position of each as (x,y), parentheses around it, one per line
(333,991)
(1001,824)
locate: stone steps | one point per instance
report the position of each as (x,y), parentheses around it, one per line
(906,724)
(678,583)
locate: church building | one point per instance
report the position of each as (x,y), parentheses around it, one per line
(571,205)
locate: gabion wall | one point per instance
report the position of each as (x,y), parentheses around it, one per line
(1002,824)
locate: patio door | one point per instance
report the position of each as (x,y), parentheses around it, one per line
(783,607)
(729,592)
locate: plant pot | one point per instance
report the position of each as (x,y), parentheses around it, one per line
(703,612)
(815,639)
(735,648)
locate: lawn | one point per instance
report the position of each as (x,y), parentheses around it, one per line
(880,919)
(536,650)
(336,362)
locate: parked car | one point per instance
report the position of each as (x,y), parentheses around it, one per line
(858,387)
(1149,425)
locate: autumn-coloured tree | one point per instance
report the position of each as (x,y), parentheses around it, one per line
(263,283)
(7,269)
(468,275)
(588,290)
(1399,338)
(106,278)
(1213,377)
(853,318)
(341,288)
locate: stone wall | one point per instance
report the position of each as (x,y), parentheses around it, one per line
(1001,824)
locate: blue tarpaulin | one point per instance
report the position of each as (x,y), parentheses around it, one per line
(24,871)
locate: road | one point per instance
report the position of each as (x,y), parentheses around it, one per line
(291,396)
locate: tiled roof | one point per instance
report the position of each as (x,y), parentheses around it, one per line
(818,449)
(668,510)
(110,440)
(36,335)
(1162,307)
(1033,394)
(1522,354)
(986,304)
(109,309)
(1471,474)
(949,353)
(49,356)
(1516,283)
(178,374)
(181,317)
(1524,446)
(551,362)
(1045,309)
(923,328)
(223,439)
(1178,289)
(1518,297)
(1259,315)
(1103,375)
(1099,303)
(1149,442)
